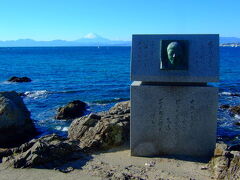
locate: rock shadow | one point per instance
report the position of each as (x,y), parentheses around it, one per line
(125,146)
(75,161)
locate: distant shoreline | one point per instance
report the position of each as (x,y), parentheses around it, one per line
(230,45)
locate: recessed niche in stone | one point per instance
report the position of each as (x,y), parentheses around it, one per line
(174,55)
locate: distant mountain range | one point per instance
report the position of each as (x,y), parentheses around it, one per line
(224,40)
(88,40)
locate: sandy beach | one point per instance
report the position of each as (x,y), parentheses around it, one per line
(115,164)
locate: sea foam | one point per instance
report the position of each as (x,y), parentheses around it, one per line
(226,93)
(237,116)
(59,128)
(35,94)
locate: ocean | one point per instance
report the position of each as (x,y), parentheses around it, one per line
(99,76)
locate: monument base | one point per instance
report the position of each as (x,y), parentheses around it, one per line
(173,120)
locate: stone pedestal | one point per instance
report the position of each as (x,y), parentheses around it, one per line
(173,120)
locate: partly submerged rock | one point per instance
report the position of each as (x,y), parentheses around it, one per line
(72,110)
(103,130)
(225,106)
(16,125)
(37,152)
(19,79)
(235,109)
(235,147)
(226,163)
(235,94)
(237,123)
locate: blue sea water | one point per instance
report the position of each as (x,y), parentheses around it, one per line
(98,76)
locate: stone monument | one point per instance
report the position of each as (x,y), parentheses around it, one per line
(173,109)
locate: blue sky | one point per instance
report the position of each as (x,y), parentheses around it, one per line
(116,19)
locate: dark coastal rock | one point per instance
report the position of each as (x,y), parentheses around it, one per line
(103,130)
(5,152)
(72,110)
(237,123)
(234,147)
(19,79)
(22,94)
(225,106)
(37,152)
(235,94)
(226,163)
(16,125)
(235,110)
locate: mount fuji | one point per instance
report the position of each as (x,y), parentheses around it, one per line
(90,39)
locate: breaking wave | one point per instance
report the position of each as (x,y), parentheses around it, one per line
(35,94)
(107,101)
(225,93)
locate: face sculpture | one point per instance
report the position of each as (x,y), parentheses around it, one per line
(175,53)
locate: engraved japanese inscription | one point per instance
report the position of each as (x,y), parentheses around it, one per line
(174,55)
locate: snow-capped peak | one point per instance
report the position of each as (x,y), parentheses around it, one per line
(91,36)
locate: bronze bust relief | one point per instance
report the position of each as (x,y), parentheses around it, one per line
(174,55)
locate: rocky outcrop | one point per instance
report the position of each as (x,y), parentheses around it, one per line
(103,130)
(72,110)
(226,163)
(122,108)
(19,79)
(37,152)
(16,125)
